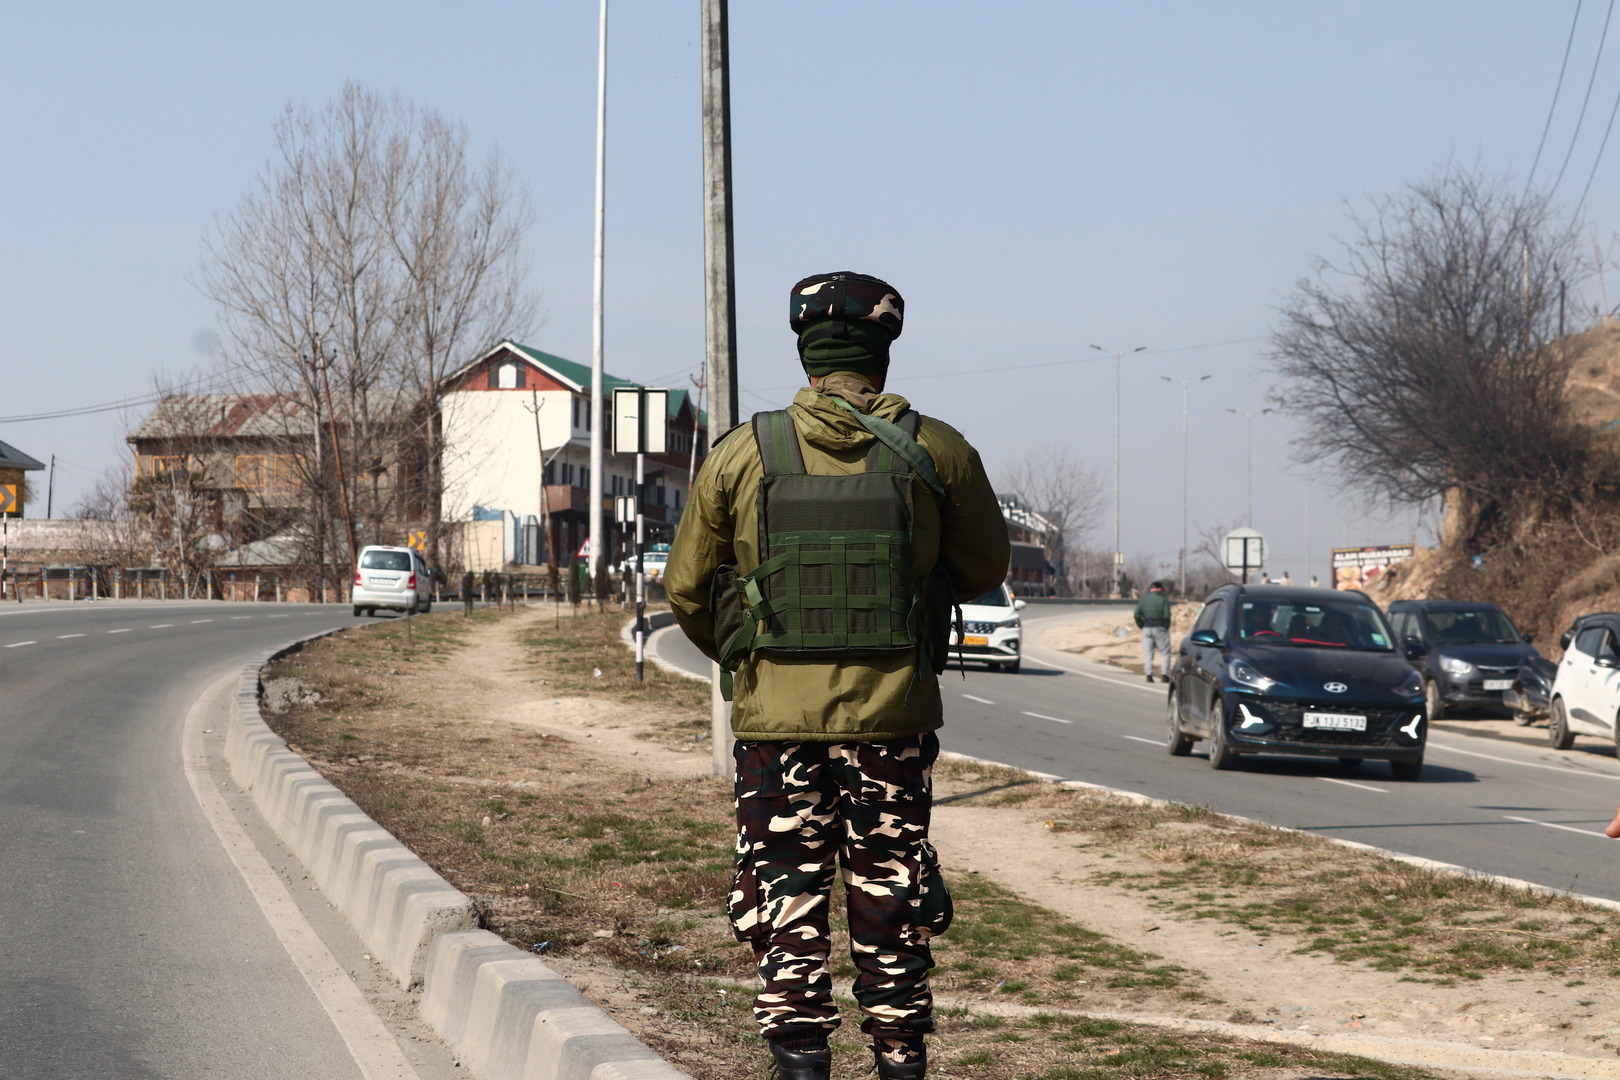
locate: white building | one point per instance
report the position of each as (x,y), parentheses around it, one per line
(514,407)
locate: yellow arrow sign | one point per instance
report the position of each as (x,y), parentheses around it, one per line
(416,538)
(8,499)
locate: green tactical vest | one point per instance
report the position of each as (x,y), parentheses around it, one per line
(836,577)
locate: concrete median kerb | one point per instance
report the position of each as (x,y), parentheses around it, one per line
(506,1014)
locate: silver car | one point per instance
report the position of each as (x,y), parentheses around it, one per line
(391,577)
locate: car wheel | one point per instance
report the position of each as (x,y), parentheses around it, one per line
(1012,668)
(1433,701)
(1221,754)
(1521,713)
(427,608)
(1178,744)
(358,611)
(1558,734)
(1406,771)
(1350,764)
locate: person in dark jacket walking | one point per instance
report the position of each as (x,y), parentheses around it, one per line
(818,559)
(1153,616)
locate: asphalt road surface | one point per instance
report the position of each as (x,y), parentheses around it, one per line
(1492,805)
(142,935)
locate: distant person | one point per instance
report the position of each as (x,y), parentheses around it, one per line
(1286,579)
(1153,616)
(1315,582)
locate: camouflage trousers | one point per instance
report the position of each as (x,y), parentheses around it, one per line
(800,807)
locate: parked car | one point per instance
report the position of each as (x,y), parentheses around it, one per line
(395,578)
(1530,696)
(653,563)
(990,630)
(1475,651)
(1586,691)
(1271,669)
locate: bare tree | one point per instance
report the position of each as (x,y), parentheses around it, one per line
(1067,493)
(369,261)
(1426,362)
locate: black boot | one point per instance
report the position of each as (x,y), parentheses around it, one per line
(913,1069)
(801,1064)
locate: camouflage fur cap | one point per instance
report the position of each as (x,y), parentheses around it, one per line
(846,297)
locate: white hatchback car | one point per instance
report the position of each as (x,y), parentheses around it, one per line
(991,630)
(1586,690)
(391,577)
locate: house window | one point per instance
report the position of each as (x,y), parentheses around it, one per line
(550,472)
(164,464)
(507,376)
(576,411)
(253,471)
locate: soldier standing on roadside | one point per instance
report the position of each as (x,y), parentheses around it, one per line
(819,559)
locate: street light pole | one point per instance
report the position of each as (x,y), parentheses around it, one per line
(1119,567)
(1248,420)
(1185,383)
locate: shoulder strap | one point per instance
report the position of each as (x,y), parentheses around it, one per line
(897,439)
(778,443)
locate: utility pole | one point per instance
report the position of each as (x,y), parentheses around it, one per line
(595,419)
(50,487)
(1119,558)
(1248,420)
(720,317)
(337,459)
(1185,383)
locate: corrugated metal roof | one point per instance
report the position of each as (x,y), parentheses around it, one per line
(13,458)
(250,415)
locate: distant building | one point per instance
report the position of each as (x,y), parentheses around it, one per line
(503,411)
(14,488)
(1030,572)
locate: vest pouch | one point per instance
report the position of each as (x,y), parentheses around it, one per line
(726,609)
(939,622)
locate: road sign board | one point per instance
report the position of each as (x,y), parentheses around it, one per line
(1243,550)
(640,420)
(416,538)
(8,499)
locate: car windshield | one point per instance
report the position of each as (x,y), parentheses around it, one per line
(385,560)
(1314,624)
(1470,626)
(996,597)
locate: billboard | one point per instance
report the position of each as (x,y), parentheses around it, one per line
(1355,568)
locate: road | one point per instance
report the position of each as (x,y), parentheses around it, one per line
(1495,806)
(143,934)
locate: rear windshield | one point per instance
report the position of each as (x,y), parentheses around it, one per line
(1314,624)
(385,560)
(1470,626)
(996,597)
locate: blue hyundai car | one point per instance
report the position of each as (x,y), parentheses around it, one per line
(1271,669)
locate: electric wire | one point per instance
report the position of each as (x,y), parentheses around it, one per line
(1593,174)
(1602,37)
(1557,89)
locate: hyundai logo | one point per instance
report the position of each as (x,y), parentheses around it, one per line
(1335,687)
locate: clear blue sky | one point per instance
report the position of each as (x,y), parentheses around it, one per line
(1034,177)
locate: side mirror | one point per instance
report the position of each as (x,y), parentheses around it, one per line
(1415,649)
(1528,639)
(1204,637)
(1020,605)
(1565,638)
(1606,662)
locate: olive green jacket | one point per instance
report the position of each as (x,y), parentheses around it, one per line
(865,698)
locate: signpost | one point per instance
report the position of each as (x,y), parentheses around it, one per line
(640,427)
(1243,550)
(416,538)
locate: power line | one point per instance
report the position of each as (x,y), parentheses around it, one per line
(1557,89)
(1602,37)
(1593,174)
(113,406)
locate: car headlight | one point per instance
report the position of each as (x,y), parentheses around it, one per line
(1412,686)
(1006,624)
(1452,666)
(1244,674)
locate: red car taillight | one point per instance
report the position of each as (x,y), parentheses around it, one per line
(410,582)
(357,577)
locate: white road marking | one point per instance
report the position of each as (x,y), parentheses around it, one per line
(1138,738)
(235,617)
(1551,825)
(160,626)
(368,1039)
(1509,761)
(283,615)
(1102,678)
(194,622)
(1054,719)
(980,700)
(125,630)
(20,644)
(1352,783)
(60,637)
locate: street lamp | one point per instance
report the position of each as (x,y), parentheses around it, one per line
(1185,383)
(1119,561)
(1248,419)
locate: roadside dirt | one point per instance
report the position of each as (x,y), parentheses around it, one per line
(1238,982)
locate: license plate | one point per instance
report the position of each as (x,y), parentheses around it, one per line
(1335,721)
(1498,684)
(975,639)
(380,582)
